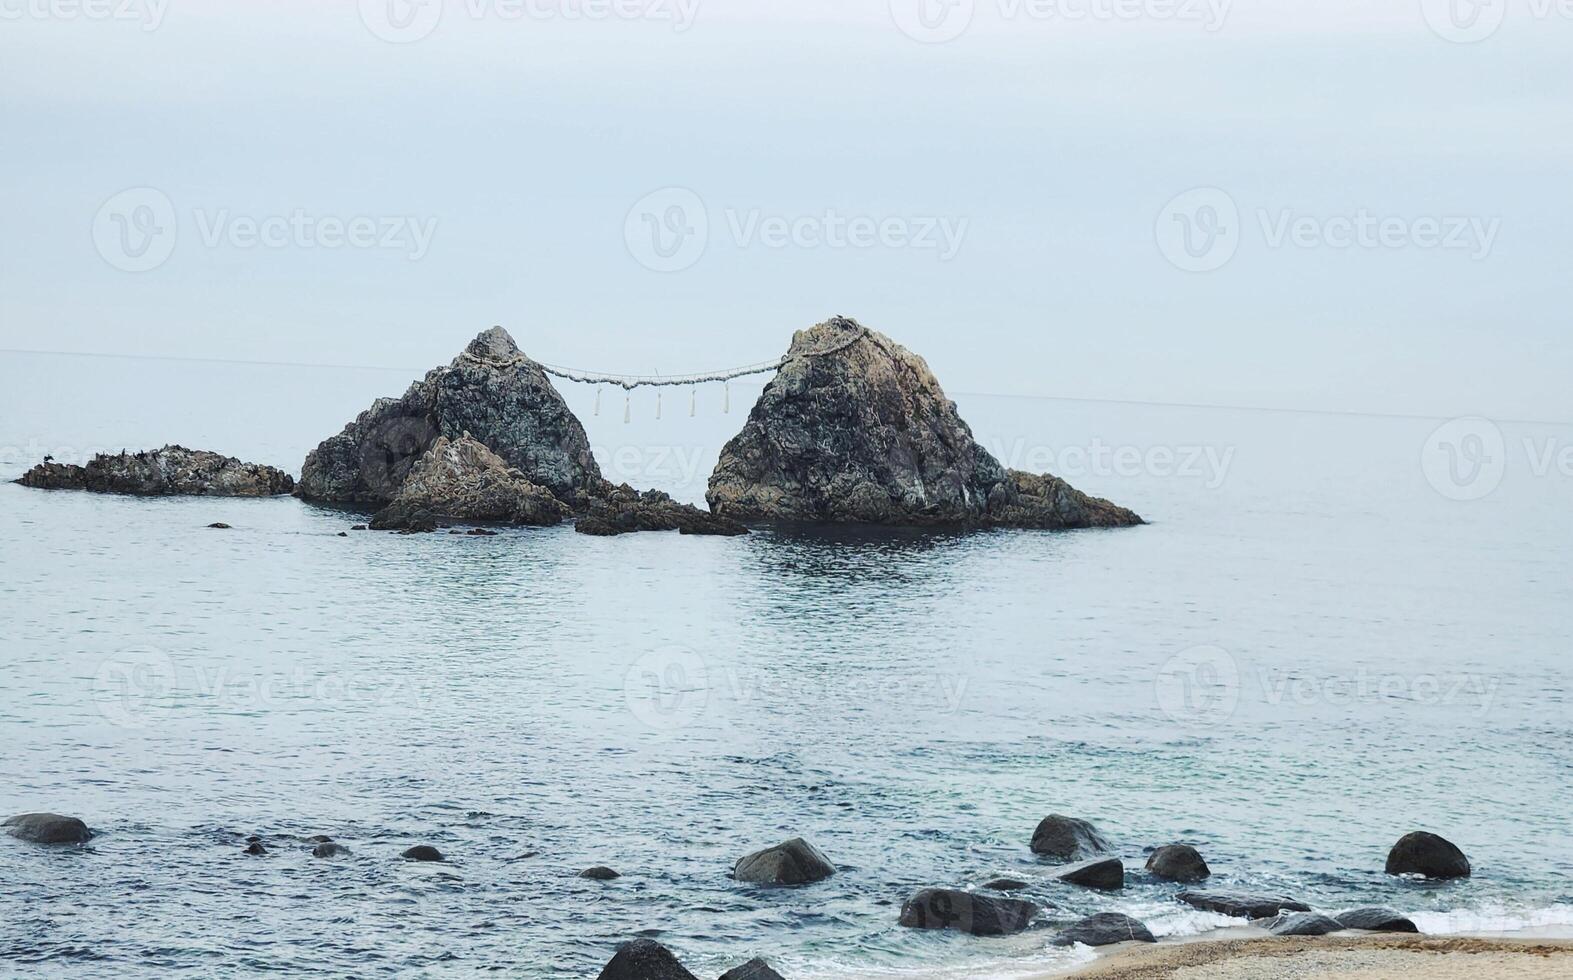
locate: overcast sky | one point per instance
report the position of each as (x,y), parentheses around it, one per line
(1325,204)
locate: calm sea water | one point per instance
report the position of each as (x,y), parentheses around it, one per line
(1313,649)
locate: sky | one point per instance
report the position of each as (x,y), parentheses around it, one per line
(1336,205)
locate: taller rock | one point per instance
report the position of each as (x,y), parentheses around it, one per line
(491,391)
(854,428)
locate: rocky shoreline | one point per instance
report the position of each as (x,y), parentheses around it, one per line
(982,911)
(853,429)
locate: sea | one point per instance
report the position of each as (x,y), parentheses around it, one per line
(1334,629)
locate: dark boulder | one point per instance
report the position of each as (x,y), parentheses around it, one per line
(1005,884)
(1376,920)
(169,472)
(423,852)
(1302,924)
(1241,904)
(624,510)
(854,428)
(328,849)
(1104,929)
(492,391)
(1177,862)
(980,915)
(754,969)
(219,526)
(599,873)
(1107,874)
(796,862)
(460,479)
(48,828)
(1068,839)
(644,959)
(1426,854)
(255,849)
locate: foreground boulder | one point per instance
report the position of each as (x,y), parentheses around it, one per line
(492,391)
(1376,920)
(1177,862)
(1104,929)
(624,510)
(754,969)
(48,828)
(980,915)
(644,959)
(461,480)
(1241,904)
(796,862)
(1107,874)
(1068,839)
(1426,854)
(854,428)
(168,472)
(1303,924)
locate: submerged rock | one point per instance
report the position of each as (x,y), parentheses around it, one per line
(1107,874)
(1241,904)
(623,510)
(1104,929)
(255,849)
(980,915)
(599,873)
(796,862)
(1376,920)
(47,828)
(328,849)
(754,969)
(492,391)
(1005,884)
(1303,924)
(1426,854)
(1177,862)
(854,428)
(423,852)
(168,472)
(644,959)
(1068,839)
(462,480)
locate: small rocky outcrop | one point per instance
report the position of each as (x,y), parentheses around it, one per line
(1005,884)
(979,915)
(1068,839)
(328,849)
(796,862)
(1303,924)
(462,480)
(599,873)
(1178,862)
(47,828)
(492,391)
(173,471)
(1241,904)
(644,959)
(754,969)
(855,428)
(624,510)
(423,852)
(1104,929)
(255,849)
(1428,855)
(1376,920)
(1105,874)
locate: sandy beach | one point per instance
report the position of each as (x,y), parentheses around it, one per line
(1339,958)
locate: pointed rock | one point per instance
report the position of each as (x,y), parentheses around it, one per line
(796,862)
(754,969)
(644,959)
(460,479)
(1107,874)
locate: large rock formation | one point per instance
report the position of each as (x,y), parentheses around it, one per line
(855,428)
(623,510)
(460,479)
(491,391)
(167,472)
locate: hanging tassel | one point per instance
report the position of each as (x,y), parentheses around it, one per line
(726,399)
(598,400)
(658,405)
(693,401)
(628,412)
